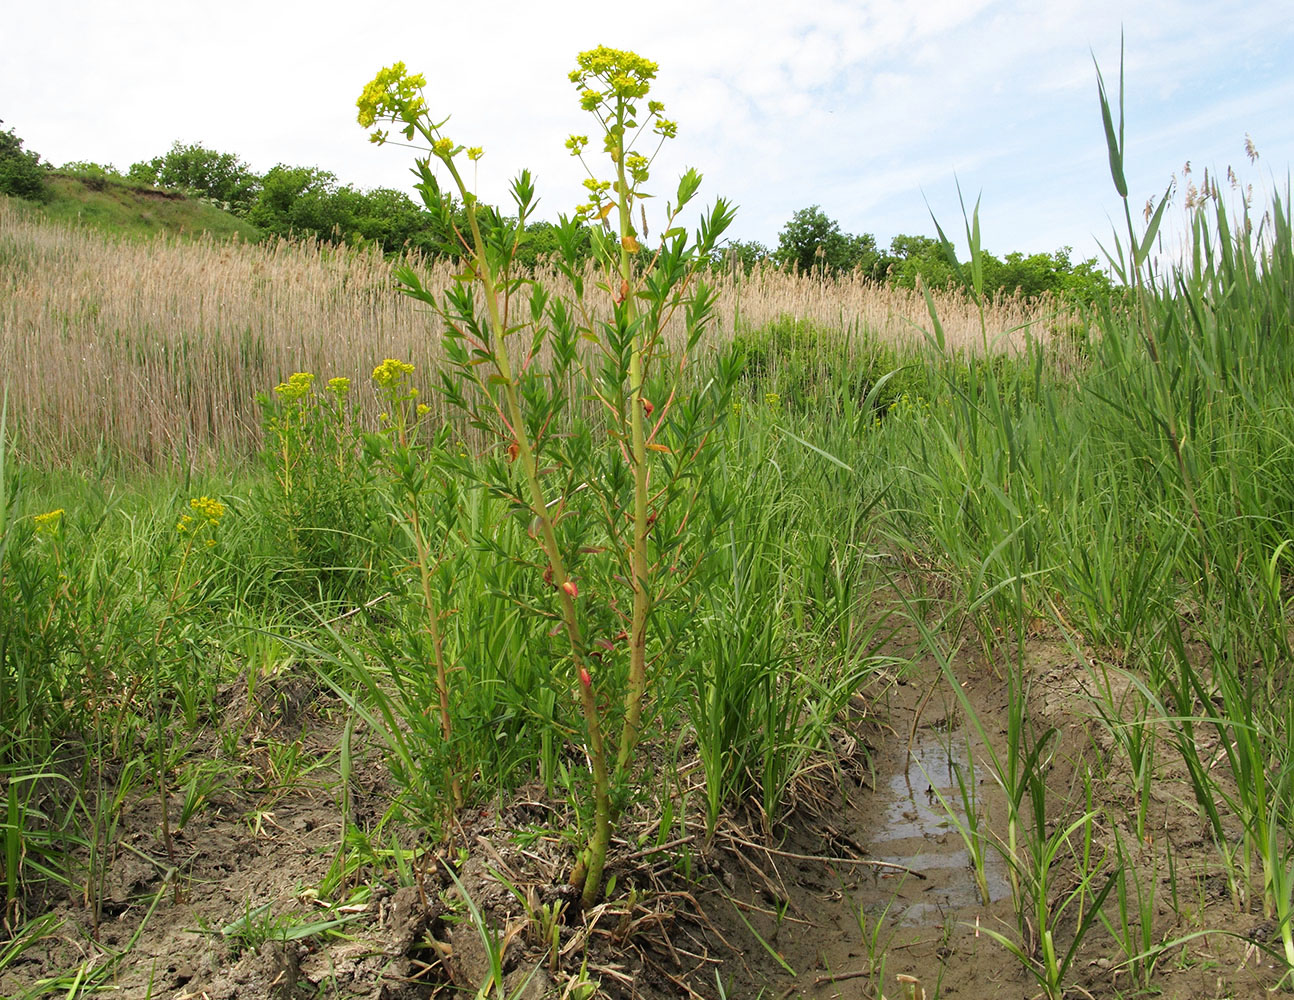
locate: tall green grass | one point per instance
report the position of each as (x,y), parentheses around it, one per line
(1143,504)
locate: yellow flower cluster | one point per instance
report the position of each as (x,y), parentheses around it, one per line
(394,93)
(339,386)
(627,74)
(212,510)
(637,165)
(48,524)
(204,509)
(391,372)
(772,400)
(296,387)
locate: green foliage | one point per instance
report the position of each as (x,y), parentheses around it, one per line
(543,242)
(617,558)
(95,176)
(918,257)
(195,169)
(1045,273)
(320,506)
(21,172)
(813,242)
(296,200)
(745,255)
(812,370)
(392,220)
(121,208)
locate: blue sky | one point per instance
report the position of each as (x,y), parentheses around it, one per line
(872,110)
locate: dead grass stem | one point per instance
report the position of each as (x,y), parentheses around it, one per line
(156,350)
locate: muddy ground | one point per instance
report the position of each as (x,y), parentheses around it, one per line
(868,884)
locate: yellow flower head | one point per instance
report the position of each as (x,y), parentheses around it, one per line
(637,165)
(474,153)
(626,75)
(49,523)
(211,510)
(295,388)
(772,400)
(339,386)
(391,373)
(394,94)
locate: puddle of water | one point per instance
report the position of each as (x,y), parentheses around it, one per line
(914,829)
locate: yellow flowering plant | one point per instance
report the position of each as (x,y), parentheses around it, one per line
(197,528)
(312,450)
(607,496)
(410,463)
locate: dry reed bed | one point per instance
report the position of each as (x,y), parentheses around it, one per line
(157,349)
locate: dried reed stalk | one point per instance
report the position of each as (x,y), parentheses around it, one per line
(157,349)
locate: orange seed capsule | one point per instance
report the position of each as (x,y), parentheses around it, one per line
(570,588)
(647,406)
(585,678)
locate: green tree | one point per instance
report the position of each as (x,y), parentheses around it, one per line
(918,257)
(21,172)
(276,209)
(543,241)
(814,241)
(222,177)
(392,219)
(745,254)
(1044,273)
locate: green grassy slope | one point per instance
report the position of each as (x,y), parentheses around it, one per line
(134,211)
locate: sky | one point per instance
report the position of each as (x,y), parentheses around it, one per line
(876,110)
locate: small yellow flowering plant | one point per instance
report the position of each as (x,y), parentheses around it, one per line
(49,523)
(312,450)
(196,528)
(409,462)
(607,496)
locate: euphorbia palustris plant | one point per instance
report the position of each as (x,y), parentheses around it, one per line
(607,494)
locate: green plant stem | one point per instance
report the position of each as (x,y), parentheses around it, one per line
(157,713)
(637,687)
(587,873)
(437,644)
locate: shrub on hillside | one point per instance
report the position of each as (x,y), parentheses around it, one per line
(222,177)
(93,175)
(21,172)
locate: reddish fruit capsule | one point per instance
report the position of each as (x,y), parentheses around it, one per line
(570,588)
(647,406)
(585,678)
(514,450)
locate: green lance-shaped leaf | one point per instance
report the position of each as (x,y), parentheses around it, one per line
(1113,142)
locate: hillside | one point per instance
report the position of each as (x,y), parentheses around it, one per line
(134,211)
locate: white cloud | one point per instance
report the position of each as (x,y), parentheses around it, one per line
(857,105)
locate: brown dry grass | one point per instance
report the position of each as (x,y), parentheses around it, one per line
(156,350)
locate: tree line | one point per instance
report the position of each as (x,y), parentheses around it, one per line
(295,201)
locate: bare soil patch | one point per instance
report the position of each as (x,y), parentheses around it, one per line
(869,882)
